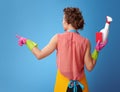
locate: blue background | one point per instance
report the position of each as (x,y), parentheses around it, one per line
(39,20)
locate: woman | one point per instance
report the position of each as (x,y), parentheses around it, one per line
(73,52)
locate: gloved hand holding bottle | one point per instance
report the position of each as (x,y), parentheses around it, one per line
(99,46)
(102,38)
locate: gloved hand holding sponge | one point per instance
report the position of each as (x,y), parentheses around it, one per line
(101,38)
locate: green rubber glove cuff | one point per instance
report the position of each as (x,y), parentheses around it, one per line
(95,54)
(30,44)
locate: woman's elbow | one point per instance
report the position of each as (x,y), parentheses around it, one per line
(90,68)
(38,57)
(90,65)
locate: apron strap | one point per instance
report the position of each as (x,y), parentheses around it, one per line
(73,84)
(75,31)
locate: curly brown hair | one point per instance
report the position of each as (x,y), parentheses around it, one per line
(74,17)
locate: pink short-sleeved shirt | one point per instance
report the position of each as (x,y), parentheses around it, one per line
(71,49)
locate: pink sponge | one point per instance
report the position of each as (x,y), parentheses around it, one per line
(98,36)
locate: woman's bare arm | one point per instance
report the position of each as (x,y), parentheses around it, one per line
(89,62)
(47,50)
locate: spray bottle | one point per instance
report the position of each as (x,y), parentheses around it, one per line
(103,34)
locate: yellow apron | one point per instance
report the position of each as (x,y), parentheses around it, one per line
(62,83)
